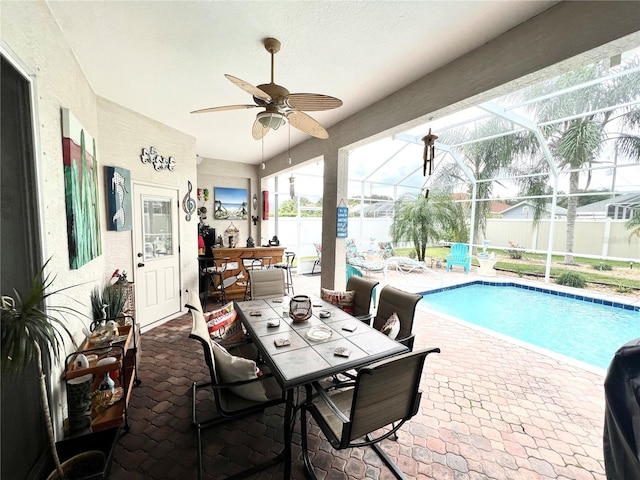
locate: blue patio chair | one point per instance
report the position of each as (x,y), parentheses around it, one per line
(361,308)
(459,256)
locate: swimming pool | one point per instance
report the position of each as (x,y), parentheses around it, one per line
(587,329)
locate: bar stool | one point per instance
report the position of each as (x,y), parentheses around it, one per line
(215,269)
(287,265)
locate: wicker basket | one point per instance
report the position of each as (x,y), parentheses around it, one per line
(300,308)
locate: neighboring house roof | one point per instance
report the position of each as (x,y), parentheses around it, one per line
(379,209)
(601,207)
(560,212)
(497,207)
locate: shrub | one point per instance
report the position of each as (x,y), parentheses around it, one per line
(601,266)
(514,253)
(622,288)
(572,279)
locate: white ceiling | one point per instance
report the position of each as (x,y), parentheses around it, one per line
(164,59)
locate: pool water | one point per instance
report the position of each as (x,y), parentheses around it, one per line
(575,327)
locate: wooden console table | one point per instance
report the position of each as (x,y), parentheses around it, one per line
(235,264)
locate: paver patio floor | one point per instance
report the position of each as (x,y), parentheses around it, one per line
(491,409)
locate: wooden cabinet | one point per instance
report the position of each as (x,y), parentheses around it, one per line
(124,350)
(239,259)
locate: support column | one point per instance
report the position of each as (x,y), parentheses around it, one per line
(336,169)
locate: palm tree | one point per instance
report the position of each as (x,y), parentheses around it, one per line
(425,220)
(634,222)
(579,122)
(497,156)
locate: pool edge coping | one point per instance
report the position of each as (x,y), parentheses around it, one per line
(562,291)
(565,292)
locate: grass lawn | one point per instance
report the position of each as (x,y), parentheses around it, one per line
(594,271)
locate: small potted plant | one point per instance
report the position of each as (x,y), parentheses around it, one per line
(109,299)
(28,329)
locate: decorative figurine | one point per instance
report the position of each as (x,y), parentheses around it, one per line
(250,243)
(188,203)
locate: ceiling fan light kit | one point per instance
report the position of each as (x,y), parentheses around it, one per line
(273,120)
(280,105)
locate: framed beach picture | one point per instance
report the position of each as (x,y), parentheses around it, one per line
(230,204)
(81,191)
(118,183)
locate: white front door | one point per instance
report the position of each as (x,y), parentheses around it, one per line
(157,259)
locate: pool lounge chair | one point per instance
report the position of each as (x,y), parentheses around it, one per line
(358,260)
(402,264)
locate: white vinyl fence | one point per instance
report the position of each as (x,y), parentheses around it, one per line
(593,238)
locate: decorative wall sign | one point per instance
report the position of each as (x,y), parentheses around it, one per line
(81,191)
(159,162)
(119,214)
(343,222)
(230,204)
(188,203)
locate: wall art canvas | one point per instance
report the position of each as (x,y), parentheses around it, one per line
(230,204)
(119,215)
(81,191)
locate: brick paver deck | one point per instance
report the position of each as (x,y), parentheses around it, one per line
(490,409)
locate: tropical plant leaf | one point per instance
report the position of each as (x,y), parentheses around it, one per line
(26,320)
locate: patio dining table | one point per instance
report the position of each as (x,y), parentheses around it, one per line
(315,347)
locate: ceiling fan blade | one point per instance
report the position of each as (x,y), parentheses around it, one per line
(222,109)
(258,131)
(247,87)
(304,122)
(312,102)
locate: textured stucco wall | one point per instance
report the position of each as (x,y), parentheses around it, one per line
(31,37)
(123,134)
(220,173)
(29,31)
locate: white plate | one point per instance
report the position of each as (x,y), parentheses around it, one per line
(319,332)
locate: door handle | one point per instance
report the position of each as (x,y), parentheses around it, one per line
(140,264)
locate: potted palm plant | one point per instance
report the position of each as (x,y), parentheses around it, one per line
(27,329)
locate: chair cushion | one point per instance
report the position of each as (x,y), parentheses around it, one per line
(341,299)
(386,250)
(391,326)
(223,324)
(235,369)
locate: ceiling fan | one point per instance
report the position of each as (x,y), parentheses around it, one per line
(279,105)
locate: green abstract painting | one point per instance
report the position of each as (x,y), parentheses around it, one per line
(81,192)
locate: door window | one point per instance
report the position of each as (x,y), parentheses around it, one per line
(157,230)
